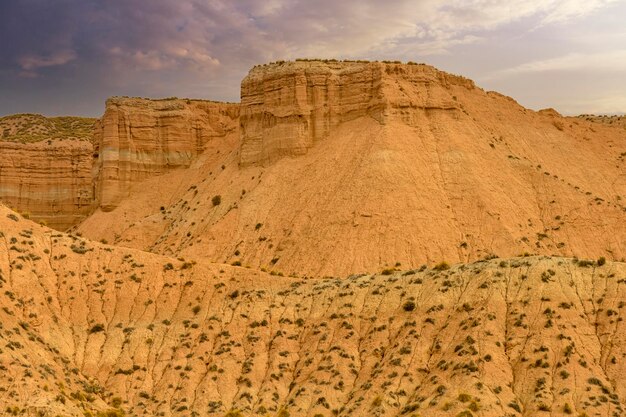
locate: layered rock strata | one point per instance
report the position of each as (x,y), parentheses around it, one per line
(49,180)
(287,107)
(138,138)
(351,167)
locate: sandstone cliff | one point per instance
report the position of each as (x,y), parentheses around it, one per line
(84,323)
(50,180)
(50,168)
(351,167)
(139,138)
(45,167)
(286,108)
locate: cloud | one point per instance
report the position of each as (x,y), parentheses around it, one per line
(32,62)
(613,61)
(599,104)
(572,9)
(203,48)
(200,34)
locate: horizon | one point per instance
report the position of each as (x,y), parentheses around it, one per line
(67,59)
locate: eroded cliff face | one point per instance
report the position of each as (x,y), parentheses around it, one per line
(287,107)
(60,169)
(138,138)
(49,180)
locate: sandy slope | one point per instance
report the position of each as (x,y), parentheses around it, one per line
(171,338)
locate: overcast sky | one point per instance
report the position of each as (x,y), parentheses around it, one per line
(67,56)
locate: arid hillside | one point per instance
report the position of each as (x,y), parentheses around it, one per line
(349,167)
(87,326)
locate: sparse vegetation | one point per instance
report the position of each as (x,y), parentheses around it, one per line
(27,128)
(96,328)
(408,306)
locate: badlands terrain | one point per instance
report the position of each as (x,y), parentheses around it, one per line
(353,238)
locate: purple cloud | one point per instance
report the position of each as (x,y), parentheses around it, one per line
(202,48)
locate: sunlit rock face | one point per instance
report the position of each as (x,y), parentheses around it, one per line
(48,180)
(139,138)
(287,107)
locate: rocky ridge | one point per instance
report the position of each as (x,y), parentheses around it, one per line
(28,128)
(58,170)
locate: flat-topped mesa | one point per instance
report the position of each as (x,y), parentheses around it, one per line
(286,107)
(137,138)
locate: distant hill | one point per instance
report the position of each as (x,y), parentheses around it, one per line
(27,128)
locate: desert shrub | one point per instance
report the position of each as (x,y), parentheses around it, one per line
(408,306)
(464,397)
(81,250)
(216,200)
(441,266)
(97,328)
(515,406)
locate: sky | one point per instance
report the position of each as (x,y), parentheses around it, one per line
(65,57)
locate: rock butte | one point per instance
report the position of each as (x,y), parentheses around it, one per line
(344,168)
(364,171)
(45,167)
